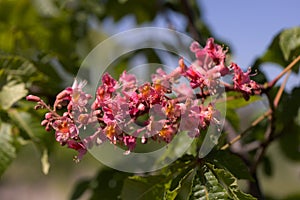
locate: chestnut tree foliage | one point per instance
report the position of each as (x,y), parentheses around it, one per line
(42,47)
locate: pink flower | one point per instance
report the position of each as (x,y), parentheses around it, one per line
(79,147)
(75,96)
(109,83)
(33,98)
(243,83)
(127,82)
(79,99)
(130,142)
(65,129)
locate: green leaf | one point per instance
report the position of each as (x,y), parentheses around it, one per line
(236,102)
(289,42)
(30,124)
(290,141)
(207,187)
(288,124)
(180,191)
(7,148)
(146,188)
(143,10)
(11,93)
(289,106)
(80,188)
(229,182)
(230,162)
(233,118)
(283,49)
(108,184)
(31,127)
(267,166)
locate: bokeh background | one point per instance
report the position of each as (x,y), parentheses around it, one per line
(50,38)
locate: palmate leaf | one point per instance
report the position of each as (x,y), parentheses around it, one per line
(184,187)
(146,188)
(105,185)
(30,125)
(7,147)
(207,187)
(173,182)
(11,93)
(229,182)
(17,68)
(228,161)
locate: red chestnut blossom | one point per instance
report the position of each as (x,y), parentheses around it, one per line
(124,112)
(79,147)
(243,83)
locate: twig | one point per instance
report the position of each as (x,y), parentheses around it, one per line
(288,68)
(253,124)
(269,136)
(281,89)
(190,15)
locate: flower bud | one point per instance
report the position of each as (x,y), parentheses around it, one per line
(141,107)
(48,115)
(44,122)
(33,98)
(48,127)
(38,107)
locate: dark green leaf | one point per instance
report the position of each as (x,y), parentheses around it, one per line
(143,10)
(108,184)
(185,190)
(267,166)
(79,189)
(146,188)
(290,141)
(230,162)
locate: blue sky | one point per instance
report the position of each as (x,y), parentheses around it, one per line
(249,26)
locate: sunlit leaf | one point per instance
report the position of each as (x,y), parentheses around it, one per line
(11,93)
(283,49)
(207,187)
(229,182)
(290,43)
(7,148)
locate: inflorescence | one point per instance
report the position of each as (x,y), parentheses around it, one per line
(120,110)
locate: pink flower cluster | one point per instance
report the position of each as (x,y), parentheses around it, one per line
(124,112)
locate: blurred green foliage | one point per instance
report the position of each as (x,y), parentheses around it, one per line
(42,44)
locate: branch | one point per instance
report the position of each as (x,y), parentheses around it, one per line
(253,124)
(270,135)
(190,15)
(288,68)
